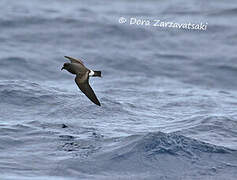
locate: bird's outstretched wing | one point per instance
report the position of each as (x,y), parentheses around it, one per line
(73,60)
(83,84)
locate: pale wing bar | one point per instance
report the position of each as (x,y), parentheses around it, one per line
(73,60)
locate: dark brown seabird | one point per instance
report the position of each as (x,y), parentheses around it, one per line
(82,77)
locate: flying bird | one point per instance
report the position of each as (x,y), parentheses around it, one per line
(77,67)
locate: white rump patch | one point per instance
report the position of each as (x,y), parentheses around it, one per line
(91,73)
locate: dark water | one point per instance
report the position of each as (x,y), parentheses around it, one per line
(169,101)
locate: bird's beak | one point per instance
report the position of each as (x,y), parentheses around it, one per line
(62,68)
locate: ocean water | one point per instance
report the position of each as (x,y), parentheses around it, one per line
(168,95)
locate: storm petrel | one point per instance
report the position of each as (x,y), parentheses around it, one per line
(77,67)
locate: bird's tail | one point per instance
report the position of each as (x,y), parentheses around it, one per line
(97,73)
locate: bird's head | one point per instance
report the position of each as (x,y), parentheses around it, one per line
(65,66)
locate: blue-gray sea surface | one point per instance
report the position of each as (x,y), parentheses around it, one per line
(168,95)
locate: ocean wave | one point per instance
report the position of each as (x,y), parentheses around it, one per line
(152,145)
(157,143)
(161,154)
(25,93)
(221,129)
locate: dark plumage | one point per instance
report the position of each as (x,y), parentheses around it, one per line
(82,77)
